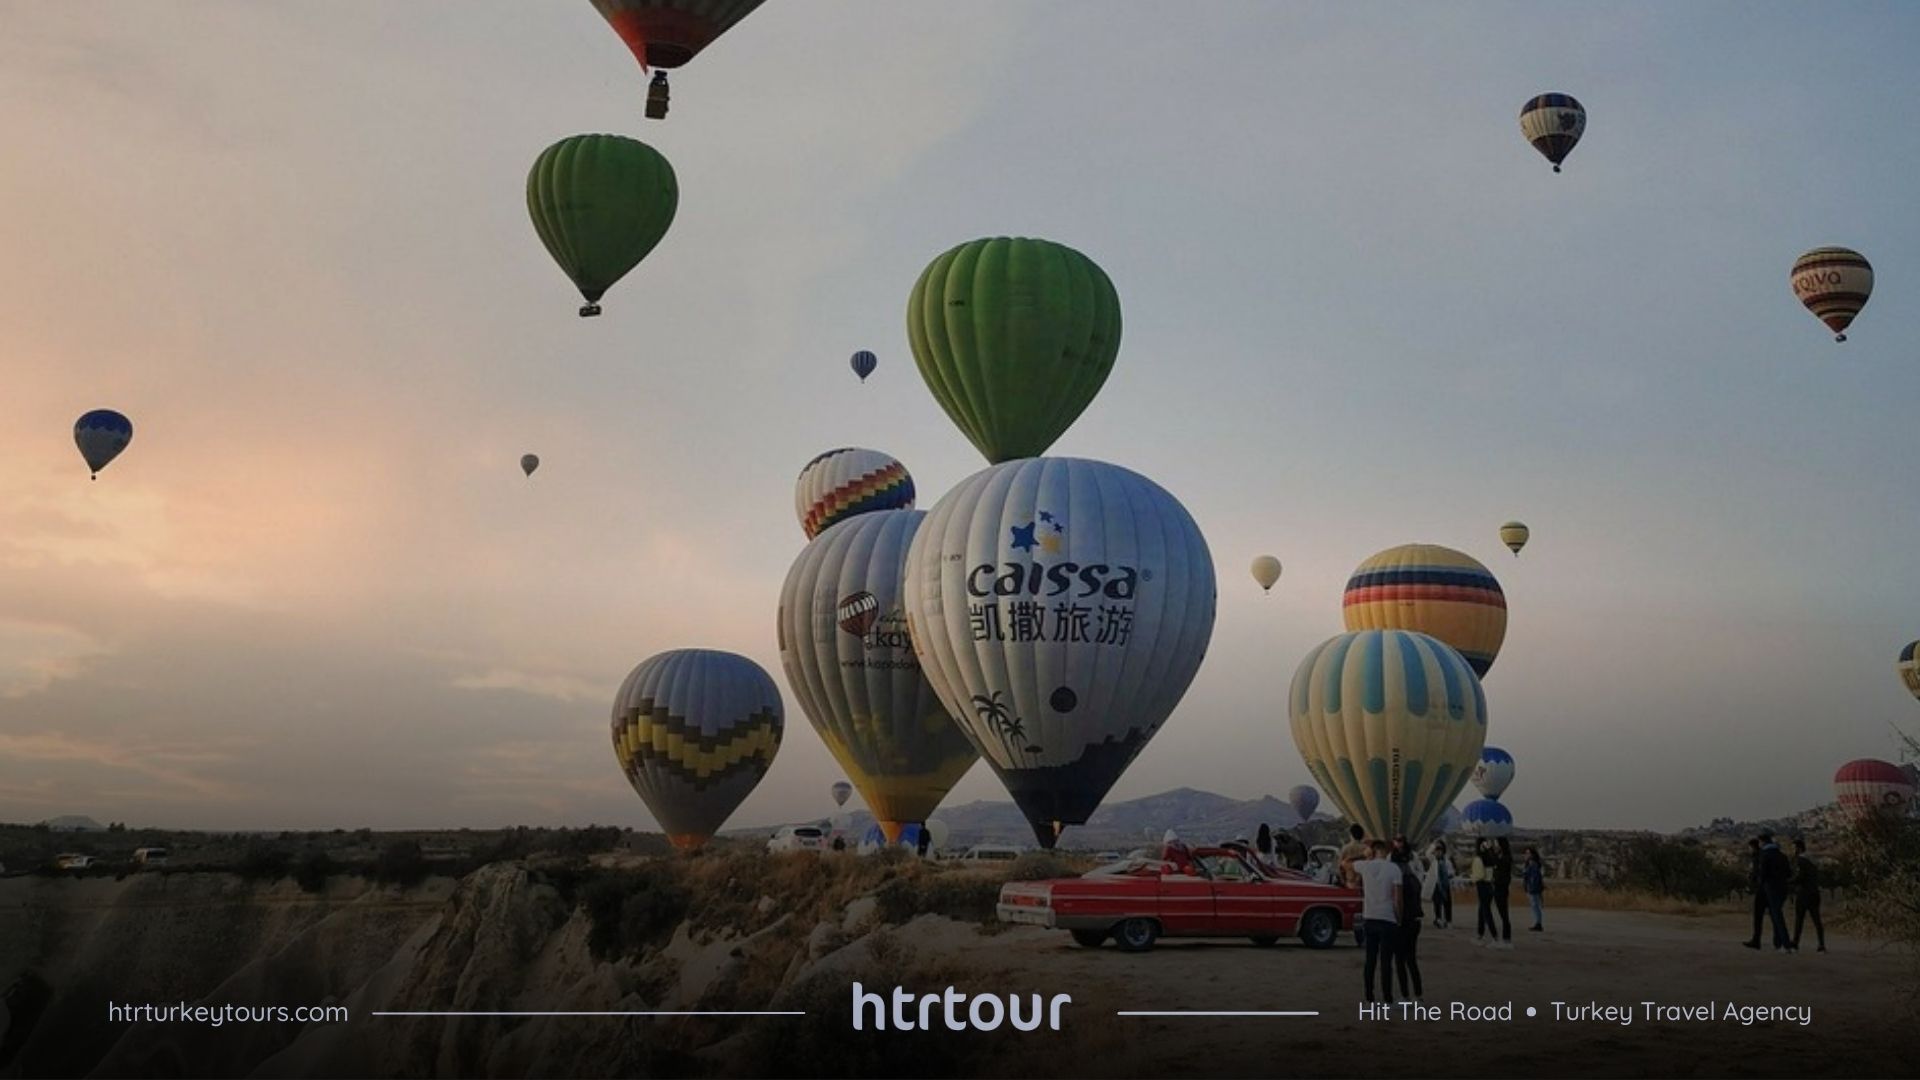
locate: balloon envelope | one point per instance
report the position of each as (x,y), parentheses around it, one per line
(842,791)
(1304,799)
(529,462)
(1909,668)
(1060,607)
(1868,789)
(1514,535)
(668,33)
(1266,571)
(1014,337)
(600,203)
(694,731)
(1553,123)
(1390,723)
(1434,590)
(101,435)
(1450,821)
(843,483)
(1833,283)
(1493,772)
(851,666)
(863,363)
(1485,817)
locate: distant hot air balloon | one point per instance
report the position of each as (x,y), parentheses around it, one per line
(1014,337)
(1909,667)
(843,483)
(1833,283)
(863,363)
(1450,821)
(1390,723)
(1553,123)
(668,33)
(1305,800)
(1266,571)
(1060,608)
(1434,590)
(851,666)
(694,731)
(938,833)
(1870,789)
(1486,817)
(1514,535)
(529,462)
(842,791)
(600,203)
(1493,772)
(101,435)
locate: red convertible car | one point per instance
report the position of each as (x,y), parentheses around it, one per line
(1186,892)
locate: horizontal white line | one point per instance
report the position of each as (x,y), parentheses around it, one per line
(1202,1012)
(696,1012)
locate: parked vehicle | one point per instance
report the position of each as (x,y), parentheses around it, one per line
(990,853)
(1198,892)
(151,858)
(798,838)
(71,861)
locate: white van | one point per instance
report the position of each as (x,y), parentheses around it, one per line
(798,838)
(150,857)
(72,861)
(990,853)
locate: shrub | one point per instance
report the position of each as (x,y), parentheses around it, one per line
(1679,869)
(632,909)
(262,862)
(401,862)
(312,868)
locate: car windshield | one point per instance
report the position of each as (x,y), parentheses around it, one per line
(810,834)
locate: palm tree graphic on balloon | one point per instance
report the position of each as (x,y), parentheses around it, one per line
(1000,714)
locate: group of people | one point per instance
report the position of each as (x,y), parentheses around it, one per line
(1393,878)
(1772,877)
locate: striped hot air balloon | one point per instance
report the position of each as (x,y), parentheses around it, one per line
(1868,789)
(1553,123)
(1514,534)
(1909,667)
(1390,723)
(694,731)
(1493,773)
(863,363)
(1834,283)
(842,483)
(1434,590)
(1486,817)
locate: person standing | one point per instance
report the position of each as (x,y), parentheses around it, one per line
(1263,842)
(1406,933)
(1380,914)
(1806,896)
(1533,881)
(1502,884)
(1759,893)
(1775,872)
(1480,872)
(1354,853)
(1439,885)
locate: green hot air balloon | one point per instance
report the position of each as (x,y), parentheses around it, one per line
(1014,337)
(600,203)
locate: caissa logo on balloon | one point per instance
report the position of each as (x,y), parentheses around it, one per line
(1106,617)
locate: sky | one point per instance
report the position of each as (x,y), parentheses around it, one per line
(290,241)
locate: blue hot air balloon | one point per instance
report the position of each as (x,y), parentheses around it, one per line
(1494,772)
(1485,817)
(101,435)
(863,363)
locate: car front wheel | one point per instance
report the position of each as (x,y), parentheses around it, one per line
(1136,935)
(1319,929)
(1091,939)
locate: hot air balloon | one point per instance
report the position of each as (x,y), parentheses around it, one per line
(1266,571)
(668,33)
(600,203)
(851,666)
(1493,772)
(1514,535)
(1014,337)
(1305,800)
(1869,789)
(1833,283)
(843,483)
(1390,723)
(841,791)
(101,435)
(529,462)
(1909,667)
(863,363)
(1434,590)
(938,833)
(1060,607)
(1450,821)
(1486,817)
(1553,123)
(695,730)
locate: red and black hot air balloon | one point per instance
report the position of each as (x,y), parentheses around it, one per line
(665,34)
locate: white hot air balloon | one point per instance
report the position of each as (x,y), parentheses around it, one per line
(1493,772)
(1266,571)
(1060,608)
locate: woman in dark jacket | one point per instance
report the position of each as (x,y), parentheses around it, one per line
(1503,881)
(1533,880)
(1406,933)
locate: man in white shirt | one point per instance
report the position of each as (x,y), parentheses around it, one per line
(1380,914)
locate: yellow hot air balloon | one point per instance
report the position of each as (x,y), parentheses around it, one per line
(1266,571)
(1514,535)
(1435,590)
(1391,724)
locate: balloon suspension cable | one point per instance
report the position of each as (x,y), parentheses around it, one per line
(657,94)
(588,311)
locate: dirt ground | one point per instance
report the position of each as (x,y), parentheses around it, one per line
(1862,1022)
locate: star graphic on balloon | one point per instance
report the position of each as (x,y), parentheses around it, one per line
(1045,516)
(1023,537)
